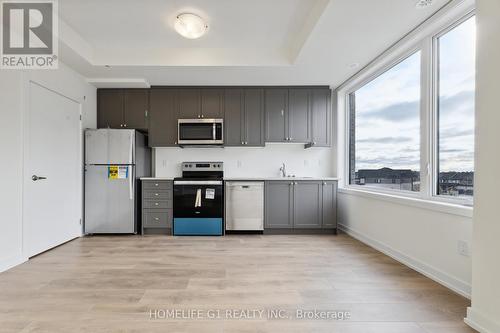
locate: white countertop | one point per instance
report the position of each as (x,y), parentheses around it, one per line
(156,178)
(256,178)
(280,178)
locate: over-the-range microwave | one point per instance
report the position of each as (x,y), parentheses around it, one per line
(200,132)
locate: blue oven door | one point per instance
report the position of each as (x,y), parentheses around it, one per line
(198,207)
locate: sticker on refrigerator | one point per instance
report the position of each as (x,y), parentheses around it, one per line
(210,193)
(117,172)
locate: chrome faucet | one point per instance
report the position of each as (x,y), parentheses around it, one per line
(283,170)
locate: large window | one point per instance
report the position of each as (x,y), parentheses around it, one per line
(417,112)
(385,129)
(456,73)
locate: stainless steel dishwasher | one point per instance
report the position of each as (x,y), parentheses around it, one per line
(244,206)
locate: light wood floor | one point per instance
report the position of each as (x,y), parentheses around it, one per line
(111,284)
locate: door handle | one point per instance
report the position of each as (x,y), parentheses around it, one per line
(35,178)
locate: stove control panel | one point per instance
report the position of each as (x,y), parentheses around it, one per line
(202,166)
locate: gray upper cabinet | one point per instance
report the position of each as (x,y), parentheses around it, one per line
(163,118)
(189,103)
(279,205)
(276,106)
(329,204)
(135,109)
(244,117)
(123,108)
(254,117)
(307,204)
(321,117)
(299,119)
(110,108)
(211,103)
(233,117)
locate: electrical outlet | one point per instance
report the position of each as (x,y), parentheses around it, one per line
(463,248)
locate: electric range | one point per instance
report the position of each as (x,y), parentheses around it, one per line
(199,200)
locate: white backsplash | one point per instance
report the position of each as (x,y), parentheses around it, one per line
(250,162)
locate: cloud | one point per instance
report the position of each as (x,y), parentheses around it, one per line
(388,139)
(395,112)
(457,102)
(452,150)
(454,133)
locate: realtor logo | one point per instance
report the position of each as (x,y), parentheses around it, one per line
(29,34)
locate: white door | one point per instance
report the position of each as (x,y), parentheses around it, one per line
(52,173)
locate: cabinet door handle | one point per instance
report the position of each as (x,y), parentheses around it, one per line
(124,125)
(282,112)
(157,219)
(121,125)
(146,113)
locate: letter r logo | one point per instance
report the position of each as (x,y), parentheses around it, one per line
(27,27)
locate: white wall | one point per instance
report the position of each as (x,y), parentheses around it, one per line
(422,238)
(421,234)
(484,314)
(13,94)
(249,162)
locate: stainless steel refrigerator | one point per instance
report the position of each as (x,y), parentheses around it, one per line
(115,159)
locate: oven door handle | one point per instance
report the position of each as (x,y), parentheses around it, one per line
(197,182)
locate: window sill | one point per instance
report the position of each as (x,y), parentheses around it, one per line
(442,207)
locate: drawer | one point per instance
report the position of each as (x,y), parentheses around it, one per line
(158,185)
(162,204)
(160,195)
(157,218)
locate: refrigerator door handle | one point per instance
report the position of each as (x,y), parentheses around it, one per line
(132,146)
(131,178)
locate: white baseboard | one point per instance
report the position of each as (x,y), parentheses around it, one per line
(437,275)
(480,322)
(11,262)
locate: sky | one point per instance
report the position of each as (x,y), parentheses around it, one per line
(388,109)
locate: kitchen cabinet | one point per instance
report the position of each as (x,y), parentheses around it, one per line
(200,103)
(109,108)
(123,108)
(321,115)
(244,117)
(307,204)
(157,207)
(211,103)
(276,108)
(254,117)
(233,117)
(299,119)
(303,204)
(189,103)
(329,204)
(135,109)
(163,118)
(278,205)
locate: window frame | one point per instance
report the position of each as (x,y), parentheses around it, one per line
(407,53)
(434,159)
(425,41)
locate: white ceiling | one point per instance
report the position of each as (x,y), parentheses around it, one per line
(248,42)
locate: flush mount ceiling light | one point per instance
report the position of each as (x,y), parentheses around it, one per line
(190,25)
(423,3)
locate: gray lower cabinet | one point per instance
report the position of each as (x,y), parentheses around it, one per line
(278,205)
(329,205)
(157,208)
(307,204)
(296,205)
